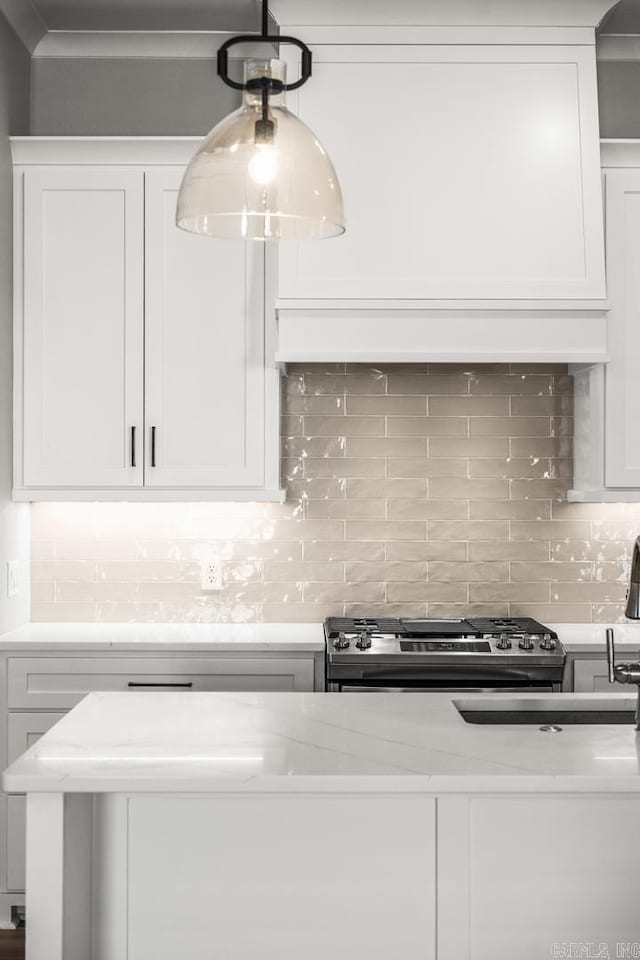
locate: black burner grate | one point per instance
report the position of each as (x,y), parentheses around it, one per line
(336,625)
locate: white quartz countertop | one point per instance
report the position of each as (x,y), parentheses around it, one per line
(590,637)
(216,742)
(278,637)
(218,637)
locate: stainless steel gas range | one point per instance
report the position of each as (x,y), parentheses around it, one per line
(479,654)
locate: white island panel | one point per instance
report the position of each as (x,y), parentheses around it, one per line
(282,878)
(552,870)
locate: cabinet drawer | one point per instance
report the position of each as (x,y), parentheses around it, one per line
(23,731)
(57,683)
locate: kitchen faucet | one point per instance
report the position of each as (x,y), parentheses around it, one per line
(628,672)
(633,595)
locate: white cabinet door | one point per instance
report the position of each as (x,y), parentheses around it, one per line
(82,322)
(622,374)
(205,351)
(592,676)
(538,876)
(467,172)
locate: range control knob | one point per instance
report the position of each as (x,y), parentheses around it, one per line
(547,642)
(341,642)
(525,643)
(364,641)
(503,642)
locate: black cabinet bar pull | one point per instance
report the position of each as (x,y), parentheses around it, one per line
(153,446)
(133,446)
(135,683)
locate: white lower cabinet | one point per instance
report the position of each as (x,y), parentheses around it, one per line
(538,876)
(59,683)
(592,676)
(41,688)
(144,355)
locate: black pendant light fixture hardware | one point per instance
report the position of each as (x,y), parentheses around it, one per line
(223,59)
(263,37)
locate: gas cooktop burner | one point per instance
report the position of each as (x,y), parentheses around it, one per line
(472,638)
(475,651)
(473,627)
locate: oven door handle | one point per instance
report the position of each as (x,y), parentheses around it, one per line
(368,688)
(452,672)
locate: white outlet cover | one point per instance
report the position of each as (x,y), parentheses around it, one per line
(211,575)
(13,578)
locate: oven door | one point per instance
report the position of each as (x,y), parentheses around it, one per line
(445,677)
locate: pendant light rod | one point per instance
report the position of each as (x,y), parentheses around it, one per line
(265,18)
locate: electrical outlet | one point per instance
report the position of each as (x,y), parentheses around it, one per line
(13,579)
(211,575)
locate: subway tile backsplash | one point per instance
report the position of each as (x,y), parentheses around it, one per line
(418,489)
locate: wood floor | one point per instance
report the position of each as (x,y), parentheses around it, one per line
(11,944)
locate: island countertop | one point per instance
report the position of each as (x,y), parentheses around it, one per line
(291,742)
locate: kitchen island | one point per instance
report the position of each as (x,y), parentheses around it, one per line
(289,825)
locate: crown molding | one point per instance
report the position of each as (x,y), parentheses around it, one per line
(25,21)
(454,13)
(141,151)
(117,44)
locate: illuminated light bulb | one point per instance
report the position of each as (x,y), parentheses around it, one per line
(263,166)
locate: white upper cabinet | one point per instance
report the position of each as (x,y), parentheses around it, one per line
(469,172)
(622,373)
(607,396)
(79,294)
(204,345)
(143,361)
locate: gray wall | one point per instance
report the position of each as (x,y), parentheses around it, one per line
(624,17)
(143,97)
(618,80)
(14,518)
(619,97)
(147,97)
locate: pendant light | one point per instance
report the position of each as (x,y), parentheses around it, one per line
(261,174)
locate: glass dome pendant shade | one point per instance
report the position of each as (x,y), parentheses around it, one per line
(261,174)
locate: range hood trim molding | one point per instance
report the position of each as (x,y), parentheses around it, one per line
(442,336)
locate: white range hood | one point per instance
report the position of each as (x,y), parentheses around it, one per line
(466,139)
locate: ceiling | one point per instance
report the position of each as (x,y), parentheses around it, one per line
(623,18)
(174,15)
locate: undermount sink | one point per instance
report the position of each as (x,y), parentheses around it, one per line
(551,710)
